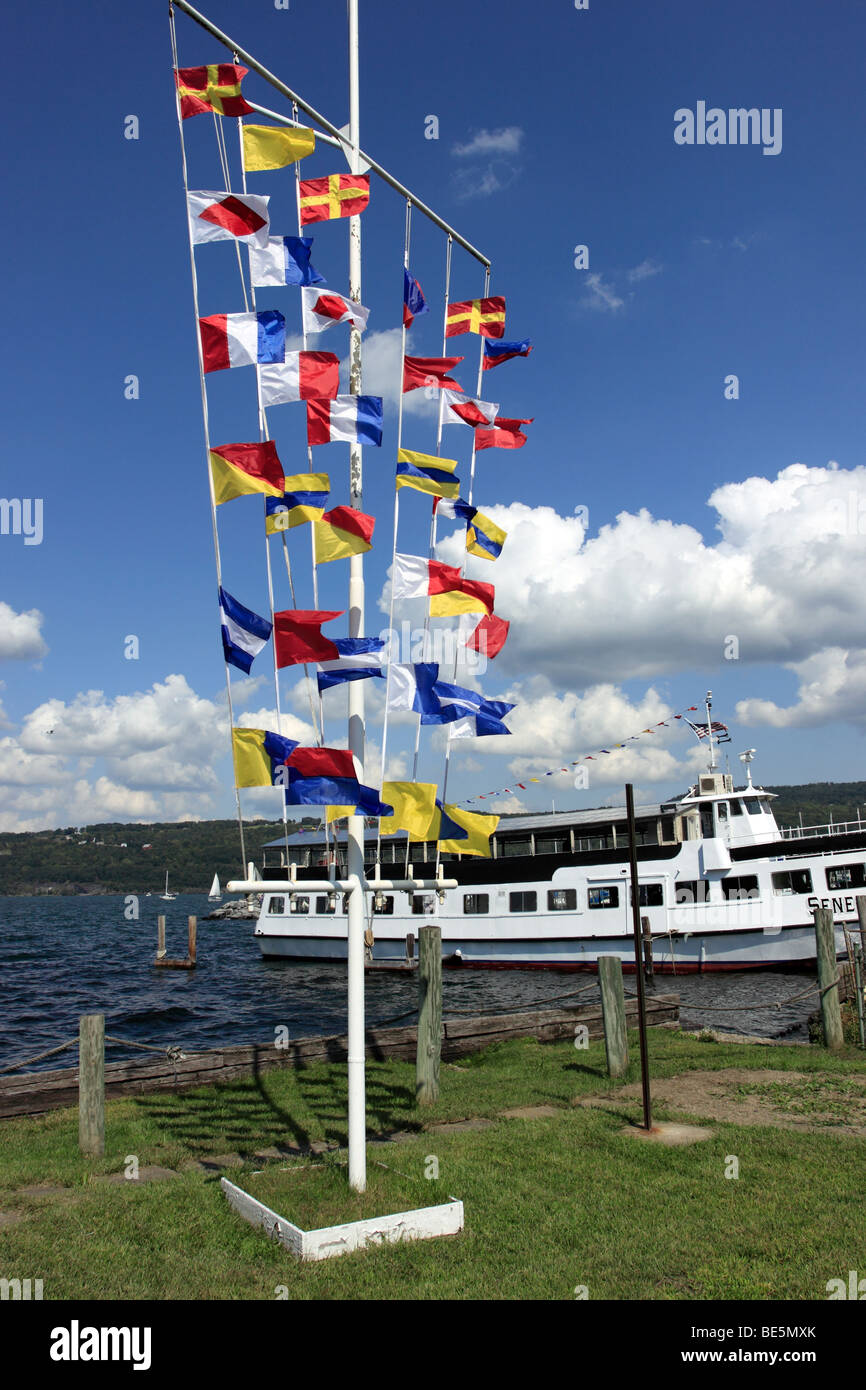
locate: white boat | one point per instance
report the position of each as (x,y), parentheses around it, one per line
(722,886)
(166,896)
(215,894)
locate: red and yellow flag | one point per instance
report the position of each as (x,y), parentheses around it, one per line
(216,87)
(484,316)
(336,195)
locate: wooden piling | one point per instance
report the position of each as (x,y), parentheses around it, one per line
(191,928)
(91,1084)
(410,945)
(160,937)
(646,932)
(613,1014)
(828,974)
(861,913)
(429,1015)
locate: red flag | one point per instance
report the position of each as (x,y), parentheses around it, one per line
(216,87)
(323,762)
(298,637)
(506,434)
(447,579)
(484,316)
(429,371)
(489,636)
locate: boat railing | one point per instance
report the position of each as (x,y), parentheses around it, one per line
(841,827)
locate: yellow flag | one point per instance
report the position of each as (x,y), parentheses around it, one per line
(252,763)
(480,829)
(338,813)
(273,147)
(414,808)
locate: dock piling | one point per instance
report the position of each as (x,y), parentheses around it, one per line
(613,1014)
(91,1084)
(429,1044)
(828,975)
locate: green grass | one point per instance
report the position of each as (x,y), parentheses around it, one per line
(550,1204)
(823,1100)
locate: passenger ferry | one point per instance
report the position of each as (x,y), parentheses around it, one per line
(721,885)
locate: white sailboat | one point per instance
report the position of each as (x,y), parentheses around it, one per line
(215,894)
(166,896)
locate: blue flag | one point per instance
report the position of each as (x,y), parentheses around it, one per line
(413,300)
(471,711)
(244,633)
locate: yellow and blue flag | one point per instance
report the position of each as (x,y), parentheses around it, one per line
(304,500)
(427,473)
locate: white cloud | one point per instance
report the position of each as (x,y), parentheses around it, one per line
(600,295)
(20,635)
(505,140)
(832,686)
(644,271)
(383,374)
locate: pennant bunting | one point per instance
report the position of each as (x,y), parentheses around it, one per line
(228,217)
(335,195)
(244,633)
(506,434)
(303,500)
(321,309)
(300,376)
(428,371)
(242,340)
(216,87)
(285,260)
(238,469)
(496,352)
(427,473)
(414,302)
(342,532)
(345,420)
(484,316)
(273,147)
(298,637)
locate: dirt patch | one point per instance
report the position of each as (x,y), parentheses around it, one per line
(784,1099)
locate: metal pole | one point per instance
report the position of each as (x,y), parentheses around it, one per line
(357,898)
(638,973)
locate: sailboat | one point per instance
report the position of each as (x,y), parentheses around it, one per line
(215,894)
(166,896)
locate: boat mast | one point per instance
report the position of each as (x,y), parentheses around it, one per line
(709,703)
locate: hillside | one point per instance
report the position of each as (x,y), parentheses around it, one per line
(113,857)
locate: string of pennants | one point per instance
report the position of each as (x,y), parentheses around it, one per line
(588,757)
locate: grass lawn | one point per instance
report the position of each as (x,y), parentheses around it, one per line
(551,1204)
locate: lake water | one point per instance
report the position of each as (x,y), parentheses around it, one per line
(63,957)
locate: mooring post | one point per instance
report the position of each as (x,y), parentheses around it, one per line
(429,1015)
(160,937)
(410,945)
(861,913)
(613,1014)
(91,1084)
(828,975)
(191,926)
(638,973)
(646,932)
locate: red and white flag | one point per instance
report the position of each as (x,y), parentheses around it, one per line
(228,217)
(322,308)
(304,376)
(467,410)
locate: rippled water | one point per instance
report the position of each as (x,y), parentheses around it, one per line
(63,957)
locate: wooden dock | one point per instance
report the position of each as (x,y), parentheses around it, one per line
(32,1093)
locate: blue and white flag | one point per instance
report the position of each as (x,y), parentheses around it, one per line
(468,712)
(411,687)
(345,420)
(244,632)
(284,261)
(360,658)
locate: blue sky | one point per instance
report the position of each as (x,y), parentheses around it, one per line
(703,262)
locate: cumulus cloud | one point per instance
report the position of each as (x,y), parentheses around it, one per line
(505,140)
(20,634)
(832,686)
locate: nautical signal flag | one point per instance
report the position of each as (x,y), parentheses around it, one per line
(237,469)
(340,533)
(414,806)
(300,376)
(298,637)
(216,87)
(411,688)
(429,371)
(448,590)
(345,420)
(244,633)
(494,353)
(467,410)
(303,500)
(273,147)
(414,302)
(228,217)
(469,712)
(489,636)
(483,537)
(506,434)
(328,777)
(360,658)
(336,195)
(478,830)
(285,260)
(427,473)
(259,755)
(442,826)
(241,340)
(484,316)
(321,309)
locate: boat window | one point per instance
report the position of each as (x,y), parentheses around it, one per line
(562,900)
(722,810)
(753,806)
(591,842)
(692,891)
(277,905)
(419,904)
(847,876)
(324,905)
(745,886)
(370,854)
(603,897)
(345,902)
(792,881)
(384,907)
(707,822)
(299,905)
(736,807)
(476,902)
(522,902)
(552,844)
(509,848)
(650,895)
(765,805)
